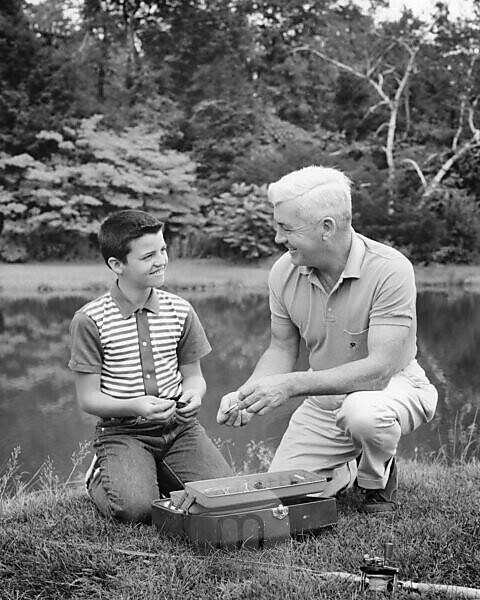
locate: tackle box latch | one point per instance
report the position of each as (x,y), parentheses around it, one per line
(280,511)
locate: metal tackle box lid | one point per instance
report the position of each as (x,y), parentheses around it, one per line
(249,490)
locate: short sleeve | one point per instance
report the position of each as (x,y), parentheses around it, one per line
(86,348)
(394,300)
(193,344)
(278,311)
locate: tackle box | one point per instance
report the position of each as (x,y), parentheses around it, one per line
(256,510)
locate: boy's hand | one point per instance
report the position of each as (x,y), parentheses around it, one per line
(155,409)
(187,406)
(231,413)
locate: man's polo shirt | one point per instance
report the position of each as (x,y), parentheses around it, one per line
(376,287)
(137,350)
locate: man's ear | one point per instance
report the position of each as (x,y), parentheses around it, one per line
(116,265)
(329,227)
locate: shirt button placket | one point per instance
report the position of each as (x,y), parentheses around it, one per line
(146,354)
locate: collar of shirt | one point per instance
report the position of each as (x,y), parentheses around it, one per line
(354,262)
(127,308)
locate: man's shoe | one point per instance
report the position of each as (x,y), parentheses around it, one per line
(383,500)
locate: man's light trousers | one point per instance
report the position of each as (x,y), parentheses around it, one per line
(330,432)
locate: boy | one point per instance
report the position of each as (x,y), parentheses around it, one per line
(136,354)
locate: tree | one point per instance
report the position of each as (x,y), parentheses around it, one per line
(386,71)
(18,49)
(456,52)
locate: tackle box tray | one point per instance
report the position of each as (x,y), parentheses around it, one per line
(248,490)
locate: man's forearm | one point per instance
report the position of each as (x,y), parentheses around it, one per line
(273,362)
(354,376)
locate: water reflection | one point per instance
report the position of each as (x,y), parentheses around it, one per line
(449,337)
(39,413)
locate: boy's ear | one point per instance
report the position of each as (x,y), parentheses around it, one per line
(116,265)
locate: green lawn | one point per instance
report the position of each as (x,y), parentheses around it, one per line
(54,545)
(197,274)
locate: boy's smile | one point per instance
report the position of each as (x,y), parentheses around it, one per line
(145,264)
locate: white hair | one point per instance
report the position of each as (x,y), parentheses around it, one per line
(318,189)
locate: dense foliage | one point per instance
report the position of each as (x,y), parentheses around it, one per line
(84,175)
(190,108)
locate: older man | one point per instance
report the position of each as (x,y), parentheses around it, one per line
(352,300)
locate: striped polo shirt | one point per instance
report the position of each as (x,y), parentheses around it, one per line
(137,350)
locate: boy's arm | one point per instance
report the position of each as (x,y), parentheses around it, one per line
(92,400)
(194,388)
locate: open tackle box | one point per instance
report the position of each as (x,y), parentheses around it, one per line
(256,510)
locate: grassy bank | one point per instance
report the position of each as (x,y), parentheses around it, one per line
(191,274)
(55,545)
(198,274)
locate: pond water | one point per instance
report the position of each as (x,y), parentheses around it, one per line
(38,411)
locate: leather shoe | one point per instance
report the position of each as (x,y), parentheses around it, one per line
(382,500)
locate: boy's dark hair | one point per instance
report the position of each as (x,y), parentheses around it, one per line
(120,228)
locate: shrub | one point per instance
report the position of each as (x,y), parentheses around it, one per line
(52,207)
(239,224)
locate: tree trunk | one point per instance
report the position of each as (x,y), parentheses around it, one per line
(447,165)
(392,103)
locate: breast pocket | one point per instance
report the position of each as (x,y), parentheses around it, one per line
(355,344)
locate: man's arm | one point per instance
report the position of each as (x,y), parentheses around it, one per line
(282,353)
(279,357)
(93,401)
(385,345)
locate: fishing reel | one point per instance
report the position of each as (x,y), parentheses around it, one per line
(377,574)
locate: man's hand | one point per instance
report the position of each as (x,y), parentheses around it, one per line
(231,412)
(187,406)
(264,394)
(155,409)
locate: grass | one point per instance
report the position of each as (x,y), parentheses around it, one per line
(202,275)
(54,545)
(182,274)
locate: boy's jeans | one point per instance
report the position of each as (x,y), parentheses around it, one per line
(136,464)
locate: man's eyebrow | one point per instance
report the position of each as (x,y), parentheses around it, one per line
(284,225)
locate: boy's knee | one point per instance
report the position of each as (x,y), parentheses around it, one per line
(134,513)
(130,511)
(127,508)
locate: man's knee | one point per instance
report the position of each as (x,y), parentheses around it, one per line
(363,417)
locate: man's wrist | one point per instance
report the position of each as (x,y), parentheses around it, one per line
(296,384)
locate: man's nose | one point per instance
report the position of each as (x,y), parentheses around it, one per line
(280,238)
